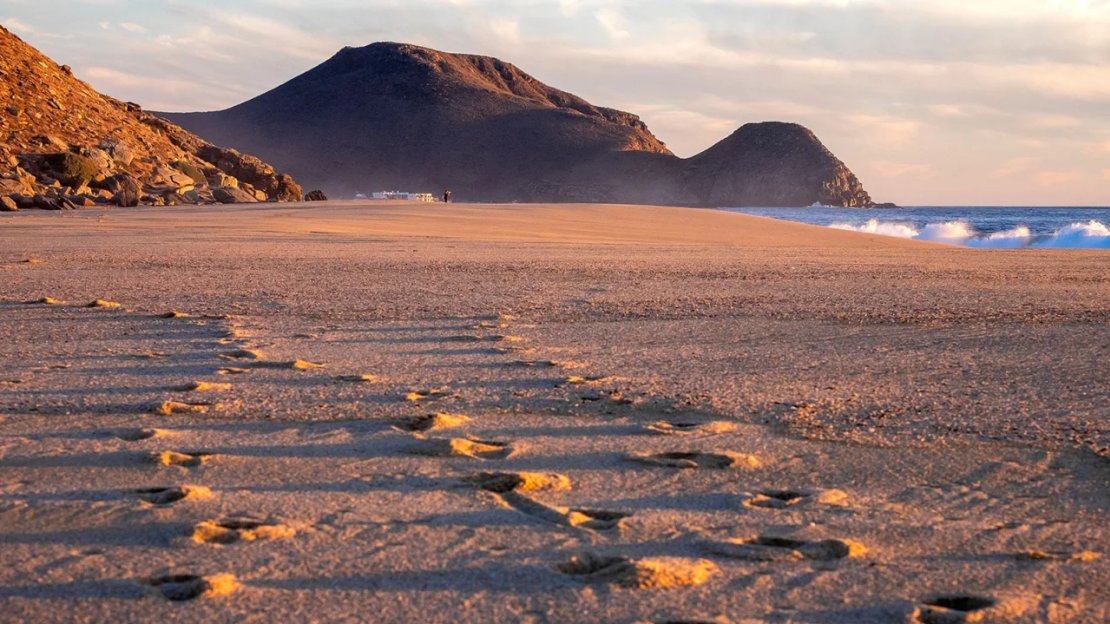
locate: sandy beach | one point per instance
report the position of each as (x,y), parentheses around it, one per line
(393,412)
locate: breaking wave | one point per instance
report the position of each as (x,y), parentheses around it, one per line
(1091,235)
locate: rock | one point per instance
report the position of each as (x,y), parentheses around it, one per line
(229,195)
(250,170)
(43,202)
(50,141)
(7,204)
(126,190)
(172,178)
(71,169)
(8,187)
(316,196)
(118,150)
(222,179)
(80,201)
(886,206)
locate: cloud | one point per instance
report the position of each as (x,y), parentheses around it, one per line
(15,25)
(133,28)
(897,170)
(610,20)
(1011,167)
(1054,178)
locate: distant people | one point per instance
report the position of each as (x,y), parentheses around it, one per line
(446,196)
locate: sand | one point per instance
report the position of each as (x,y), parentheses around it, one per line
(644,415)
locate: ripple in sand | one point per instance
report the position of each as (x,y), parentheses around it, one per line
(651,573)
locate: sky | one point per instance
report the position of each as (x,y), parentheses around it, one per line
(929,102)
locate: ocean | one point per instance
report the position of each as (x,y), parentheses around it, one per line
(970,226)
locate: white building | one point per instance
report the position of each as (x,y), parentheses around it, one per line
(402,196)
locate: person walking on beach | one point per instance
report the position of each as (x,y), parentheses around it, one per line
(446,196)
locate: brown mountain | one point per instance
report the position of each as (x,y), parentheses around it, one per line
(67,145)
(400,116)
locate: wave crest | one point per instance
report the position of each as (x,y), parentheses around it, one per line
(1091,235)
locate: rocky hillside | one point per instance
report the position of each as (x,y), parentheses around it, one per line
(68,146)
(396,116)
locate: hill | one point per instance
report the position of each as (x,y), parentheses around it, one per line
(68,146)
(393,115)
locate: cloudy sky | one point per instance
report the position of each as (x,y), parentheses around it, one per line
(984,102)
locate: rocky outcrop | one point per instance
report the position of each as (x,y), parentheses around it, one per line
(67,146)
(316,196)
(392,115)
(771,164)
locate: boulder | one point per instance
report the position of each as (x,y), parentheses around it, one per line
(315,196)
(222,179)
(229,195)
(43,202)
(7,187)
(7,204)
(71,169)
(126,190)
(250,170)
(118,150)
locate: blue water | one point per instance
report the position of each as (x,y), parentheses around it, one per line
(974,226)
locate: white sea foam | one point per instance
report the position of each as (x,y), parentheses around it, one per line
(1092,235)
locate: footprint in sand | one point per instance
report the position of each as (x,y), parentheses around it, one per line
(173,458)
(172,315)
(171,495)
(1085,556)
(697,460)
(358,378)
(293,365)
(182,587)
(31,261)
(203,386)
(575,380)
(431,422)
(957,609)
(233,371)
(461,447)
(137,435)
(243,354)
(690,428)
(232,530)
(773,548)
(652,573)
(501,482)
(47,301)
(782,499)
(592,519)
(174,407)
(490,338)
(428,395)
(101,303)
